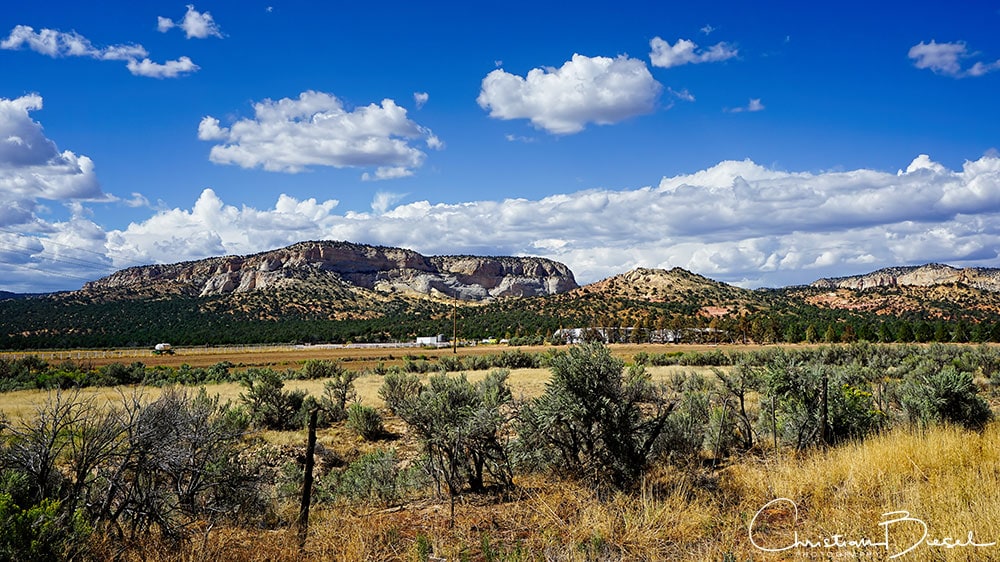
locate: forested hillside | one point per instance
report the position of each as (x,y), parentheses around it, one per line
(643,305)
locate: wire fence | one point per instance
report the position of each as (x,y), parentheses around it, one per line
(131,353)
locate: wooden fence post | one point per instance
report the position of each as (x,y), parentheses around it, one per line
(774,423)
(823,437)
(307,481)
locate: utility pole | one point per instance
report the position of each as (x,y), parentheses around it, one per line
(454,326)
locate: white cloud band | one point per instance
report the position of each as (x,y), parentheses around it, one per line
(736,221)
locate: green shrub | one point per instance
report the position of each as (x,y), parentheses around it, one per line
(592,422)
(136,468)
(852,413)
(516,359)
(945,395)
(268,405)
(120,374)
(420,366)
(476,363)
(461,427)
(687,429)
(39,532)
(365,421)
(337,391)
(451,363)
(377,477)
(397,387)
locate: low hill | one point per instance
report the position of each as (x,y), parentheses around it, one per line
(645,291)
(947,301)
(343,265)
(674,285)
(930,275)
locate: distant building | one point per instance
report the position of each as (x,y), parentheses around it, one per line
(432,340)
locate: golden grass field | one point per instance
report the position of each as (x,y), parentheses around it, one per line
(947,479)
(523,382)
(527,382)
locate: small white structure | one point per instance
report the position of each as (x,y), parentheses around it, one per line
(431,340)
(162,347)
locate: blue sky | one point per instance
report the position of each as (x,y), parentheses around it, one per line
(762,145)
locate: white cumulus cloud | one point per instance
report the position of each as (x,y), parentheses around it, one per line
(946,59)
(754,105)
(387,173)
(195,24)
(564,100)
(685,51)
(59,44)
(315,129)
(33,168)
(169,69)
(44,254)
(212,227)
(210,129)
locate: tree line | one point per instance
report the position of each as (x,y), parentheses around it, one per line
(63,322)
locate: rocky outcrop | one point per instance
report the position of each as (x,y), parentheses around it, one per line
(986,279)
(384,269)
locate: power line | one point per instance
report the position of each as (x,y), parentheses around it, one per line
(57,273)
(51,241)
(29,252)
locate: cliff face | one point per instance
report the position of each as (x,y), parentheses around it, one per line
(388,270)
(985,279)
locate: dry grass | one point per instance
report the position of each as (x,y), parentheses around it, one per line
(948,478)
(525,383)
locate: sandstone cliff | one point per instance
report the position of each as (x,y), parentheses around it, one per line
(986,279)
(383,269)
